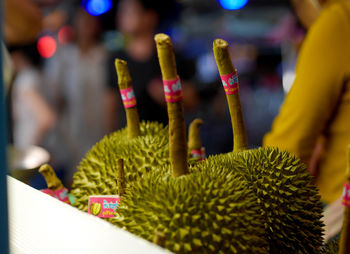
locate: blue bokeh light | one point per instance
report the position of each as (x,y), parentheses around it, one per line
(233,4)
(97,7)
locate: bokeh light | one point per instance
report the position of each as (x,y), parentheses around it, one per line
(65,34)
(233,4)
(97,7)
(47,46)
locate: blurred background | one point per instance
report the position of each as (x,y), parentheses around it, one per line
(62,86)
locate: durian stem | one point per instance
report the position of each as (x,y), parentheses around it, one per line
(159,239)
(225,66)
(132,116)
(344,243)
(194,139)
(120,177)
(52,181)
(177,127)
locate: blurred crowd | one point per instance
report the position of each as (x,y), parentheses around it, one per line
(64,94)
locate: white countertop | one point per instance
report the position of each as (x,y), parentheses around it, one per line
(40,224)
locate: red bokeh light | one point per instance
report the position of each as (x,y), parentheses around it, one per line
(65,35)
(47,46)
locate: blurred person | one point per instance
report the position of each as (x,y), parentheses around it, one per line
(8,71)
(138,21)
(307,11)
(318,104)
(32,116)
(76,85)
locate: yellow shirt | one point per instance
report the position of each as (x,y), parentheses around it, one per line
(319,101)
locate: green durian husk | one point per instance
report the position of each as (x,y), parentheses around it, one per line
(331,247)
(200,212)
(97,172)
(289,201)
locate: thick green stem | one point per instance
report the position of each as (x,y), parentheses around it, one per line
(52,181)
(120,177)
(225,66)
(344,243)
(132,116)
(194,139)
(177,127)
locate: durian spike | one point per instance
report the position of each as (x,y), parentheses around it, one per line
(124,82)
(120,177)
(194,139)
(159,239)
(225,66)
(52,181)
(177,127)
(344,243)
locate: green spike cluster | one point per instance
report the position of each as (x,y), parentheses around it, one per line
(97,172)
(200,212)
(331,247)
(289,201)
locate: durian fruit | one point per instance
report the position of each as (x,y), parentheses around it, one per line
(344,243)
(197,210)
(331,247)
(142,146)
(200,212)
(289,201)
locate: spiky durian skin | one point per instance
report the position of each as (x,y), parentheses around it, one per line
(289,201)
(97,172)
(198,213)
(331,247)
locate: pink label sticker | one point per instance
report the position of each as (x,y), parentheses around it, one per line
(61,194)
(128,97)
(200,154)
(346,195)
(196,153)
(203,155)
(173,90)
(103,206)
(230,82)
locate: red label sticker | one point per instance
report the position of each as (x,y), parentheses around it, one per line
(230,82)
(346,195)
(61,194)
(173,90)
(103,206)
(200,154)
(128,97)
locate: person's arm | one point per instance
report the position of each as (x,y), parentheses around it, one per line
(45,116)
(313,98)
(307,11)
